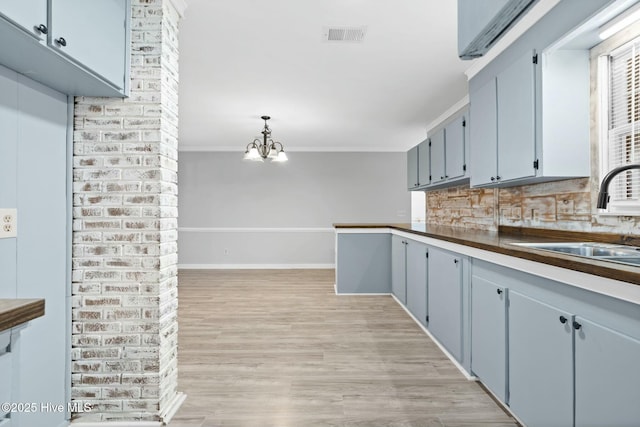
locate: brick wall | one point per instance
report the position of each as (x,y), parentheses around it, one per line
(124,318)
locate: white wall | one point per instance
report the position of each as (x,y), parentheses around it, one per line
(281,215)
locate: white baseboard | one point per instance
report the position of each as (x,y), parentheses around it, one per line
(173,407)
(255,266)
(117,424)
(171,410)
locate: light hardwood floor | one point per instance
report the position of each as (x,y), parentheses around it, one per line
(278,348)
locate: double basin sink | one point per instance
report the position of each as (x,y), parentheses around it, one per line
(622,254)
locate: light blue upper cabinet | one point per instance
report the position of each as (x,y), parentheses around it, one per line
(483,134)
(455,165)
(412,168)
(438,173)
(607,390)
(93,34)
(503,138)
(424,163)
(75,47)
(417,280)
(419,166)
(489,335)
(516,119)
(542,101)
(447,149)
(540,363)
(31,15)
(445,299)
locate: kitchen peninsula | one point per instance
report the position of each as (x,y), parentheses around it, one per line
(553,336)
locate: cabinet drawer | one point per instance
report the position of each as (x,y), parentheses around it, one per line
(6,373)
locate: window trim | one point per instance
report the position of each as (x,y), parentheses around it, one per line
(616,208)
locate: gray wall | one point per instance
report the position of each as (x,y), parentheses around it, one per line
(281,215)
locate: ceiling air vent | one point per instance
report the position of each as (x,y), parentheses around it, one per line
(344,34)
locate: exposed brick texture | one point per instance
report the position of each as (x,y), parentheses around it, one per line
(124,319)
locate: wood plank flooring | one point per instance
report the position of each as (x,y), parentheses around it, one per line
(261,348)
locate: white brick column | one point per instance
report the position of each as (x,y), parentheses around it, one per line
(125,296)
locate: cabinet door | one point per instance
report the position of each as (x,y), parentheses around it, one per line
(424,163)
(607,379)
(94,33)
(417,280)
(540,363)
(445,300)
(28,14)
(516,119)
(489,335)
(483,134)
(6,372)
(399,268)
(454,145)
(438,172)
(412,168)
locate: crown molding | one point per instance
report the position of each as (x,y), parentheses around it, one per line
(448,113)
(239,149)
(180,6)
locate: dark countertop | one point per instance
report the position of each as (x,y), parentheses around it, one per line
(502,242)
(14,312)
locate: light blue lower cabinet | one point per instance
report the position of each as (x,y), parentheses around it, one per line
(489,335)
(445,300)
(6,373)
(607,378)
(399,268)
(5,422)
(363,263)
(540,362)
(417,280)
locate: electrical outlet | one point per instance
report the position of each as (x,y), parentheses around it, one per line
(8,223)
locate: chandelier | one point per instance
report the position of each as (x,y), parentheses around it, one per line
(265,149)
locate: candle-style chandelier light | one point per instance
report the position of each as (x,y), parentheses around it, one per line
(265,149)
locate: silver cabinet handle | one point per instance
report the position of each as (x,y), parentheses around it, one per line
(42,29)
(61,41)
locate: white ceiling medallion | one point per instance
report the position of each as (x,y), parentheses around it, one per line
(344,34)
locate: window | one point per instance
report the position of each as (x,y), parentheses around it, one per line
(621,137)
(418,206)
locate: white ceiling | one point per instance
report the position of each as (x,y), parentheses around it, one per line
(240,59)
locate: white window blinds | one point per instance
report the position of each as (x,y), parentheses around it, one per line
(624,123)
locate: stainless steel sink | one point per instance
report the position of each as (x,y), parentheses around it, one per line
(606,252)
(626,260)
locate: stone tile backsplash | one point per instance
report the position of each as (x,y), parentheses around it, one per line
(559,205)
